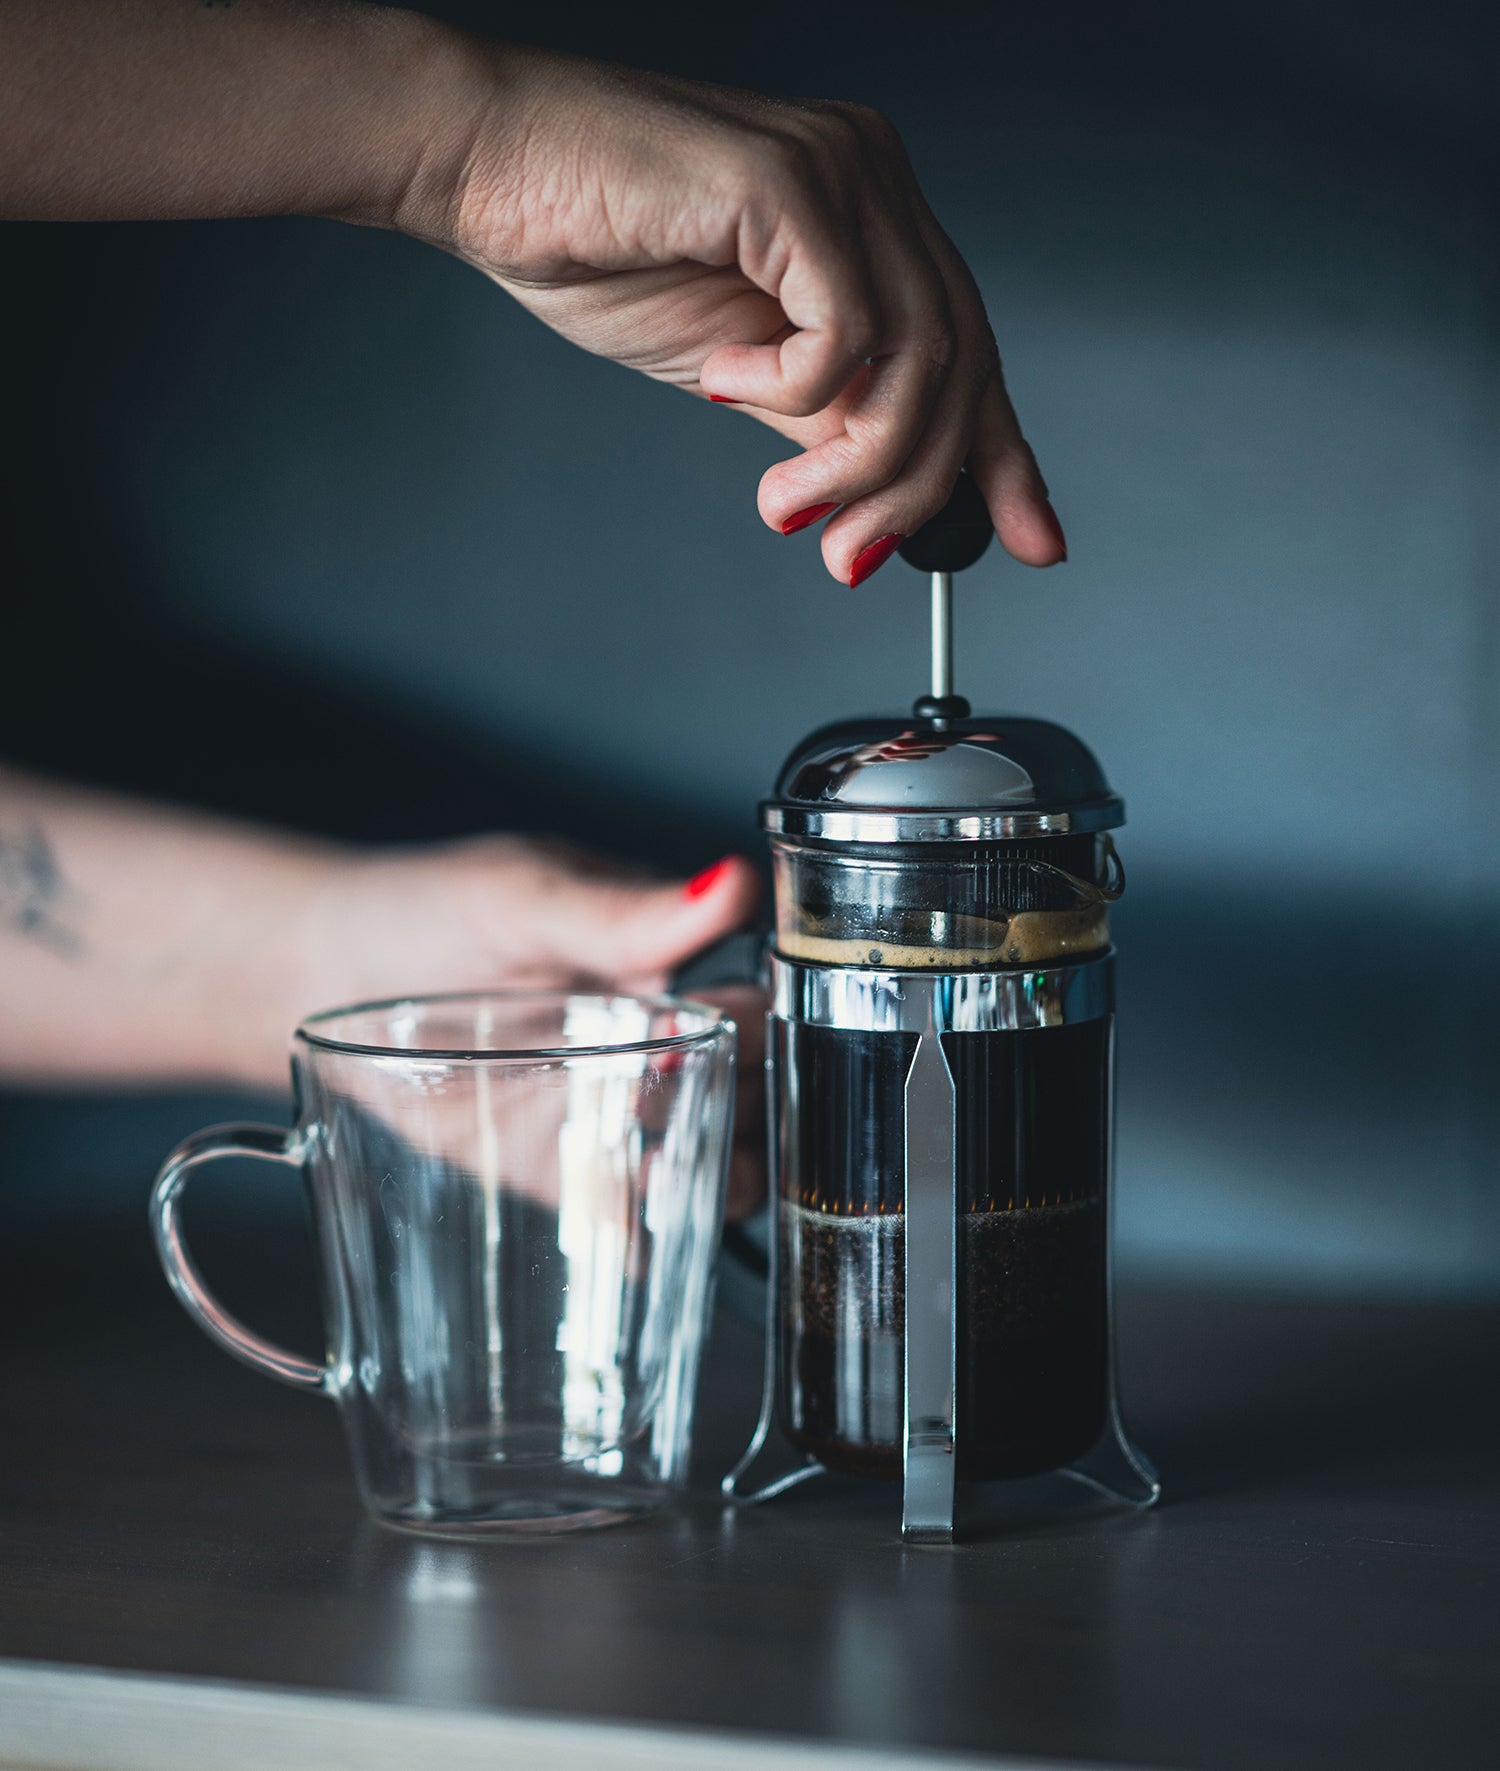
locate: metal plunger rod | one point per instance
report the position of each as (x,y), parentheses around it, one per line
(945,544)
(942,635)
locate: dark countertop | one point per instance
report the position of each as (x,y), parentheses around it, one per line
(1319,1588)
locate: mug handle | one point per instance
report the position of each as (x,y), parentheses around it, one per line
(271,1145)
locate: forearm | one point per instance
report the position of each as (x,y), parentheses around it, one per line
(139,109)
(144,945)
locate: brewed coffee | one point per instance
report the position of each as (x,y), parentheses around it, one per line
(1033,1132)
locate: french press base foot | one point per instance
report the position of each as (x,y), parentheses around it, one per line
(1117,1469)
(1113,1468)
(739,1496)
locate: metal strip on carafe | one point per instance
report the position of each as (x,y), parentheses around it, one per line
(930,1335)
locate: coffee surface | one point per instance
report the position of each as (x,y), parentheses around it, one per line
(1030,937)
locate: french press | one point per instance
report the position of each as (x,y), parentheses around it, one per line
(940,1058)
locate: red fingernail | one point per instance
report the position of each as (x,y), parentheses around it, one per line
(702,883)
(873,558)
(723,400)
(804,519)
(1057,530)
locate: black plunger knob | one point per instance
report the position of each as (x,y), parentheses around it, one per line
(956,536)
(941,707)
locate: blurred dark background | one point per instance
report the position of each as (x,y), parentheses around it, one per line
(310,524)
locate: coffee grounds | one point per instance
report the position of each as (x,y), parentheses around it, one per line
(1033,1343)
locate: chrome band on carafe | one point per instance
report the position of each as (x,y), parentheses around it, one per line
(968,1002)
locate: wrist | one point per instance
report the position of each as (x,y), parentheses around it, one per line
(253,975)
(444,99)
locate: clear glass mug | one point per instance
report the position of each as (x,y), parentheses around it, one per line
(516,1199)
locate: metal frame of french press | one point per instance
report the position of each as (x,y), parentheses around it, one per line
(931,1005)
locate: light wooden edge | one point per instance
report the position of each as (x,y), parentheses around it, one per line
(55,1718)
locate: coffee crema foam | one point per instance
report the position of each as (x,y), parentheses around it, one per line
(1030,937)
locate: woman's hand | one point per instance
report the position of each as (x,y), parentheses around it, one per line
(513,913)
(144,945)
(771,253)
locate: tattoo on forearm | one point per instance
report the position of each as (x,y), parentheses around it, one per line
(35,898)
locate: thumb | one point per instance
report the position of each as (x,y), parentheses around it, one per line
(619,928)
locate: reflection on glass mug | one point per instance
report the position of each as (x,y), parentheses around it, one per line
(516,1200)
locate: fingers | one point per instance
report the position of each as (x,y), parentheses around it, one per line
(931,399)
(885,416)
(746,1007)
(747,1183)
(618,928)
(974,424)
(998,455)
(797,374)
(887,507)
(853,278)
(978,417)
(1006,472)
(800,253)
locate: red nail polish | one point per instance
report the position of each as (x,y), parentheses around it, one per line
(873,558)
(702,883)
(1057,529)
(723,400)
(804,519)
